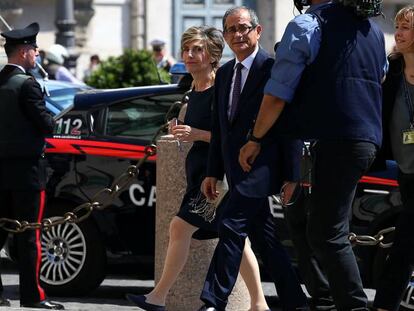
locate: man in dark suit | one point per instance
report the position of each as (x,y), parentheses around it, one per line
(239,91)
(24,122)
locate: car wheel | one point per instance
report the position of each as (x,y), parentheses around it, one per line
(73,258)
(407,302)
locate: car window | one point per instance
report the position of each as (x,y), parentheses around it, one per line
(138,118)
(62,98)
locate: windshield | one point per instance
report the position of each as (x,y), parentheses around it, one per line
(61,99)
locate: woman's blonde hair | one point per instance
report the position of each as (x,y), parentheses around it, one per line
(210,36)
(405,14)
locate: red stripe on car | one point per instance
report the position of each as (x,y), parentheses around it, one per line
(371,180)
(100,148)
(379,181)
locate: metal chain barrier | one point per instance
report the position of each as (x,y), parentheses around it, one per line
(368,240)
(362,240)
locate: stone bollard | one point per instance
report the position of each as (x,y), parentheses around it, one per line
(171,183)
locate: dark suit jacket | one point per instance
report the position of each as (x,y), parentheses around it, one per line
(279,157)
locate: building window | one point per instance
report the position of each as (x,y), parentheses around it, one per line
(200,12)
(193,1)
(224,2)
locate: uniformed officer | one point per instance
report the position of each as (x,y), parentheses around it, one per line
(24,122)
(161,58)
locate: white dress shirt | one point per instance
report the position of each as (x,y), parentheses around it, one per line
(18,66)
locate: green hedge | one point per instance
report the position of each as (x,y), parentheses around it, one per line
(133,68)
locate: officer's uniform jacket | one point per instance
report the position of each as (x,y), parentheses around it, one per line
(24,122)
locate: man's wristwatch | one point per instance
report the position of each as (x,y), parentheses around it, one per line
(251,137)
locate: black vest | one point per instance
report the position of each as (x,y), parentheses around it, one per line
(339,94)
(18,136)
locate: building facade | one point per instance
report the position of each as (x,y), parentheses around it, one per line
(106,27)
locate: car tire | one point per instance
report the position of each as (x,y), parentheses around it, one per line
(407,302)
(73,256)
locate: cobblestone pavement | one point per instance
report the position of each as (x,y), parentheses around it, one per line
(110,295)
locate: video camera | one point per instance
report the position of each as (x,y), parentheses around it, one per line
(362,8)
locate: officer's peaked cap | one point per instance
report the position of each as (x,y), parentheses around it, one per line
(157,43)
(22,36)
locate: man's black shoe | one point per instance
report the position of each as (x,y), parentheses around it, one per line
(322,304)
(140,301)
(44,304)
(4,302)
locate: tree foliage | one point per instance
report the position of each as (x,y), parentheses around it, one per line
(132,68)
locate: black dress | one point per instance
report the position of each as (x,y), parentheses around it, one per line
(194,208)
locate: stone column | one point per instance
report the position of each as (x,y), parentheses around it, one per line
(138,24)
(171,183)
(65,23)
(83,12)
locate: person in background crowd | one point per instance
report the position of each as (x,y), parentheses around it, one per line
(42,58)
(398,144)
(94,62)
(326,87)
(55,56)
(247,212)
(24,122)
(201,49)
(162,60)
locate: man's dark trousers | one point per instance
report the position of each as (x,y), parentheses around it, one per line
(399,265)
(26,205)
(338,165)
(244,216)
(309,267)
